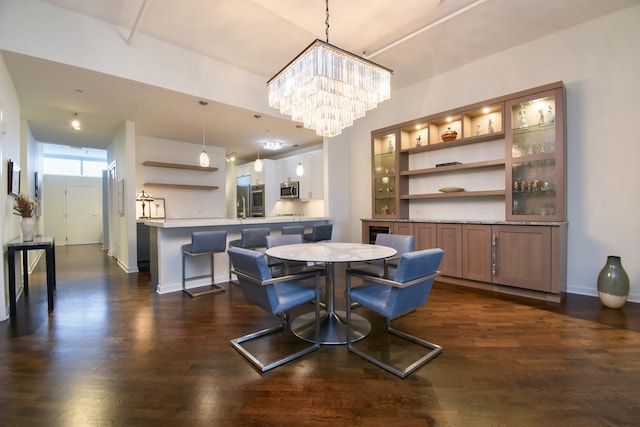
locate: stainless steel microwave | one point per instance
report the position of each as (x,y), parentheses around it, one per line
(290,190)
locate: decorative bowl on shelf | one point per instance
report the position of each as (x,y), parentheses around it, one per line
(449,135)
(451,189)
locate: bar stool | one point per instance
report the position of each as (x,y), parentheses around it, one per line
(250,238)
(293,229)
(203,243)
(319,232)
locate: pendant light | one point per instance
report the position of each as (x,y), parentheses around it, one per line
(257,165)
(75,122)
(299,168)
(204,157)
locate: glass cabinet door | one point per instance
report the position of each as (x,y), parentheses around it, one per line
(535,153)
(385,165)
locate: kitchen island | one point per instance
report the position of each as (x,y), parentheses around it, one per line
(167,236)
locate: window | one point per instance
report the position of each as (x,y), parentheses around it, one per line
(74,161)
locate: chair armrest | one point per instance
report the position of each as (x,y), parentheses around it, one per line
(392,282)
(279,279)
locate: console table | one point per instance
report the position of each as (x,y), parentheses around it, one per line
(39,242)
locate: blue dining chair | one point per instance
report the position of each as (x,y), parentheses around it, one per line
(250,238)
(274,295)
(392,297)
(284,266)
(319,233)
(382,268)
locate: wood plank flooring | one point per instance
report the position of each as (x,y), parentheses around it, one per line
(114,353)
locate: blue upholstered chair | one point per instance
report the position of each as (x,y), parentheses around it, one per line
(203,243)
(284,239)
(250,238)
(274,295)
(293,229)
(319,232)
(287,266)
(396,296)
(383,268)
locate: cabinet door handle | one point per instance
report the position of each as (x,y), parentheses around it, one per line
(494,255)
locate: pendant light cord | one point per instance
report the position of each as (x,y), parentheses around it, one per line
(204,104)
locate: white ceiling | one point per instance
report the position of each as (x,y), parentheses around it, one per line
(262,36)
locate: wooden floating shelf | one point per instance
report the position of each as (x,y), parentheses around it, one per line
(181,186)
(455,143)
(179,166)
(453,195)
(463,166)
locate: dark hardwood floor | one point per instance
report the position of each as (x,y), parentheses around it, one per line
(114,353)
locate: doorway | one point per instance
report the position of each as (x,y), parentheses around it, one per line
(82,214)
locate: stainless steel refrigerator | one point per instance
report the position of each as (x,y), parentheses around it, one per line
(243,188)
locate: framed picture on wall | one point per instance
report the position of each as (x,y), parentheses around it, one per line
(157,209)
(14,178)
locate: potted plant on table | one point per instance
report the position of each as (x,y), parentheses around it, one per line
(25,207)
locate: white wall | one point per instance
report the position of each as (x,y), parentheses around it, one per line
(182,203)
(599,62)
(9,149)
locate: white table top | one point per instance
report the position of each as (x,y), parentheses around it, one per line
(331,252)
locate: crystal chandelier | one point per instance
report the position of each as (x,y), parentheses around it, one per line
(326,88)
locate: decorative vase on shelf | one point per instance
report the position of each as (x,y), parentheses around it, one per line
(27,225)
(613,283)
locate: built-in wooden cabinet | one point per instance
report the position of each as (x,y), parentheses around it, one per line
(521,257)
(527,260)
(449,239)
(535,157)
(425,235)
(507,150)
(476,252)
(387,185)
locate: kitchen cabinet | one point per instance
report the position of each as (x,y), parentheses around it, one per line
(312,180)
(316,175)
(244,170)
(142,246)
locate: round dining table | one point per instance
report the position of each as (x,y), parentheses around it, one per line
(333,324)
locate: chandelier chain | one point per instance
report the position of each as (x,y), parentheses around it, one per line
(326,21)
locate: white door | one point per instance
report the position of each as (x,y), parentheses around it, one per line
(82,208)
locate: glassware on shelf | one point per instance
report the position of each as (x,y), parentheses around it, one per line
(523,119)
(551,118)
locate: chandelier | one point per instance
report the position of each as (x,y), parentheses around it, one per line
(326,88)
